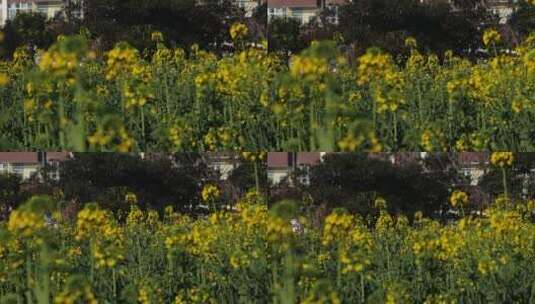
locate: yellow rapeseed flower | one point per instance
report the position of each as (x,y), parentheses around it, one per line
(491,37)
(254,156)
(238,31)
(156,36)
(210,193)
(411,42)
(4,79)
(458,198)
(502,159)
(130,198)
(25,223)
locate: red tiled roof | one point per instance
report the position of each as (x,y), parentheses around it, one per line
(467,158)
(308,158)
(57,156)
(284,159)
(293,3)
(19,157)
(278,159)
(31,157)
(34,1)
(403,158)
(336,2)
(379,156)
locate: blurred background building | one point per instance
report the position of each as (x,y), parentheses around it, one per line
(28,164)
(50,8)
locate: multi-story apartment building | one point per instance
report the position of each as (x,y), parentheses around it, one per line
(502,8)
(303,10)
(222,163)
(10,8)
(27,164)
(50,8)
(249,6)
(472,165)
(308,10)
(281,164)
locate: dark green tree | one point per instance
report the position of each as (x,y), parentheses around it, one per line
(243,177)
(260,19)
(284,36)
(183,22)
(32,29)
(434,24)
(157,181)
(26,29)
(353,181)
(523,19)
(520,180)
(11,194)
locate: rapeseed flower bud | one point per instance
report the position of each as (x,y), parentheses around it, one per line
(4,79)
(411,42)
(130,198)
(156,36)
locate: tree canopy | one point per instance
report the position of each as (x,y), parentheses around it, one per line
(434,24)
(354,181)
(183,22)
(157,181)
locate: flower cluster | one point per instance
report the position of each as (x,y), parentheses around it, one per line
(253,253)
(97,227)
(337,225)
(308,67)
(210,193)
(238,31)
(459,198)
(253,100)
(491,37)
(502,159)
(25,223)
(254,156)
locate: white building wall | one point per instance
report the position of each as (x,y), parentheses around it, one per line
(24,170)
(10,9)
(248,5)
(3,13)
(224,168)
(277,176)
(304,15)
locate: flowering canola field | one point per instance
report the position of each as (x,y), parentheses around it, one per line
(193,100)
(256,255)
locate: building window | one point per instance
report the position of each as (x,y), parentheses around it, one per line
(42,10)
(297,14)
(304,179)
(18,169)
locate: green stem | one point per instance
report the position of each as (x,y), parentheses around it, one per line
(504,180)
(256,177)
(61,122)
(144,145)
(114,284)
